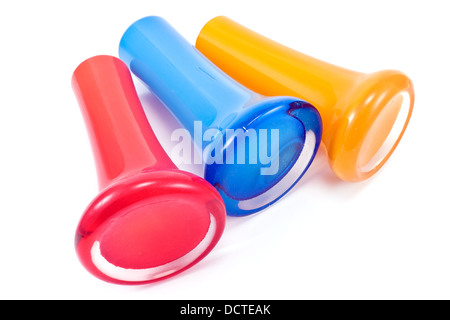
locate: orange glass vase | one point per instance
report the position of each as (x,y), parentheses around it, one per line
(364,115)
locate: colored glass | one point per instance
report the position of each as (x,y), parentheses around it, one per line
(150,220)
(364,115)
(225,119)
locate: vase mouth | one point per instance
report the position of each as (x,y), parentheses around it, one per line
(372,125)
(149,227)
(374,150)
(265,154)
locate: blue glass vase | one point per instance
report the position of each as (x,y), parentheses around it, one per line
(255,148)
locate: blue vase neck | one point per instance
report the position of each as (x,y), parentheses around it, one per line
(191,86)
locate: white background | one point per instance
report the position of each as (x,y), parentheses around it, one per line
(385,238)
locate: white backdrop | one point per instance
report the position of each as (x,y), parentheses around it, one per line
(385,238)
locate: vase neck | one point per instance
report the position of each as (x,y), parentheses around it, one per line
(121,137)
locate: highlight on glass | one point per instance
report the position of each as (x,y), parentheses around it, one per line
(229,118)
(150,220)
(364,115)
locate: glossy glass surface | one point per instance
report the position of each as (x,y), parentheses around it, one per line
(364,115)
(195,90)
(150,220)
